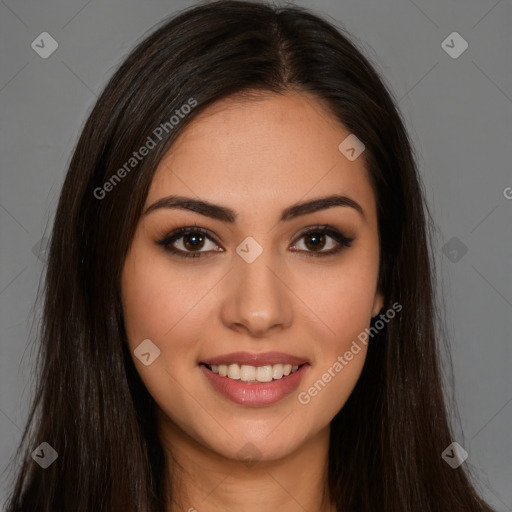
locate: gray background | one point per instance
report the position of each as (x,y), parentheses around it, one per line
(457,110)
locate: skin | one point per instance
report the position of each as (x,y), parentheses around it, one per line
(257,157)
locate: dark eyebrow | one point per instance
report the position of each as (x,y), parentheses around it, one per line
(226,214)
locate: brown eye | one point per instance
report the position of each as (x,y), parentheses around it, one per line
(189,242)
(193,241)
(315,241)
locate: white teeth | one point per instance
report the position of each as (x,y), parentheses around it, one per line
(247,373)
(264,373)
(234,371)
(277,371)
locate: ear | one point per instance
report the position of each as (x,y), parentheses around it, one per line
(378,303)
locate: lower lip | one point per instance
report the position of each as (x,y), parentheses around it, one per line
(255,395)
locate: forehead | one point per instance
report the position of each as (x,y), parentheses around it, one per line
(259,152)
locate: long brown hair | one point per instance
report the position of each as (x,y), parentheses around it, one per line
(90,404)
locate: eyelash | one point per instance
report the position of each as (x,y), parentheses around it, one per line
(342,240)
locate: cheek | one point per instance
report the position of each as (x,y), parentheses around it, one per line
(161,313)
(343,303)
(330,386)
(162,305)
(335,374)
(156,298)
(342,300)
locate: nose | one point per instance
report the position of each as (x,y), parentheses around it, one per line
(258,299)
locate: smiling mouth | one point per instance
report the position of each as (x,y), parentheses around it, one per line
(254,374)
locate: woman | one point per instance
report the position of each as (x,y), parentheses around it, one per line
(239,308)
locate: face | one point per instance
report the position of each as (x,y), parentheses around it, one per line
(255,286)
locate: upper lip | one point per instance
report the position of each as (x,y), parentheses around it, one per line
(261,359)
